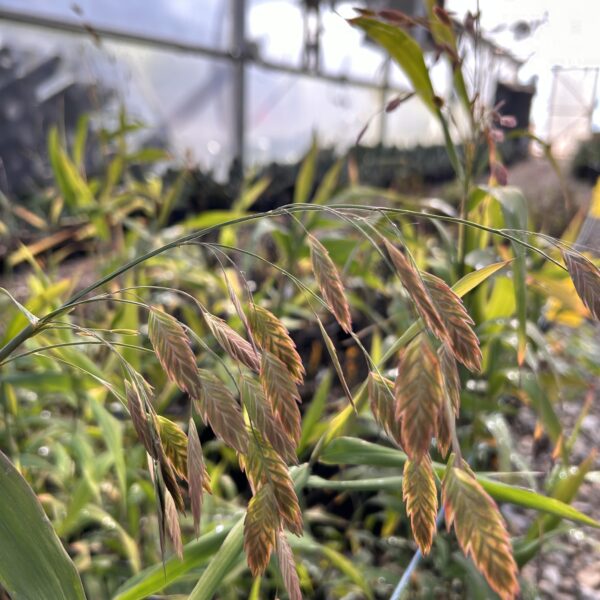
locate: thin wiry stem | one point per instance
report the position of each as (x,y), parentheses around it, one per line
(32,329)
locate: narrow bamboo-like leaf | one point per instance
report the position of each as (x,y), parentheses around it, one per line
(265,421)
(220,565)
(287,566)
(586,279)
(352,451)
(174,441)
(461,338)
(514,210)
(480,529)
(222,412)
(406,52)
(420,494)
(304,181)
(472,280)
(419,396)
(158,576)
(419,294)
(172,347)
(383,407)
(329,183)
(197,476)
(271,335)
(232,342)
(33,563)
(260,529)
(281,391)
(330,283)
(263,465)
(33,320)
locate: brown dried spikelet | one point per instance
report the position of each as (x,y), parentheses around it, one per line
(197,476)
(586,279)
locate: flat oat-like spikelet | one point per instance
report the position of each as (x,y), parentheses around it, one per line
(383,405)
(480,529)
(281,391)
(330,283)
(221,411)
(415,287)
(419,396)
(586,279)
(420,494)
(260,527)
(287,566)
(173,350)
(271,335)
(265,421)
(461,338)
(232,342)
(263,465)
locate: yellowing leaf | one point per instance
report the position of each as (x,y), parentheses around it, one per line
(420,494)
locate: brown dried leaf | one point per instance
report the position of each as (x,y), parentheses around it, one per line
(265,421)
(271,335)
(260,527)
(197,475)
(330,283)
(232,342)
(381,398)
(172,523)
(287,566)
(461,338)
(415,287)
(173,350)
(282,392)
(419,396)
(222,412)
(174,442)
(586,279)
(420,494)
(263,465)
(480,529)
